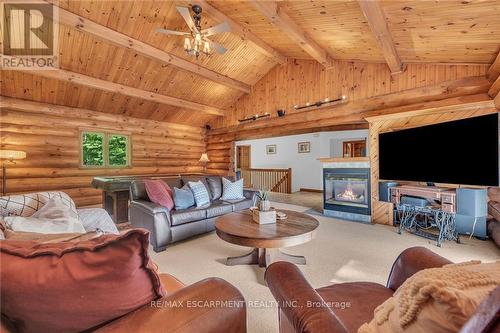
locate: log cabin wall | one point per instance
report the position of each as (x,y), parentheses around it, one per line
(366,86)
(49,134)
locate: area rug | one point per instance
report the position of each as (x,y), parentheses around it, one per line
(341,251)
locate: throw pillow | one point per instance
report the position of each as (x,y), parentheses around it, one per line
(215,187)
(53,218)
(183,197)
(27,204)
(436,300)
(159,193)
(73,286)
(200,193)
(232,190)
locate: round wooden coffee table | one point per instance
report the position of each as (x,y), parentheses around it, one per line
(266,239)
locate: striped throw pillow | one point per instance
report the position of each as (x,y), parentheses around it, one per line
(200,193)
(232,191)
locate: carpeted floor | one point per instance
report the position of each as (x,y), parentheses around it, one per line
(341,251)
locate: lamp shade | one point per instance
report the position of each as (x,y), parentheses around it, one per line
(12,155)
(204,158)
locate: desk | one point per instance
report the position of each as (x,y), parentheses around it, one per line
(447,197)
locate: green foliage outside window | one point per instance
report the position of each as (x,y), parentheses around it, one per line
(92,146)
(104,150)
(117,150)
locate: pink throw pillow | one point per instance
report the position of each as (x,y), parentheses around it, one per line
(158,192)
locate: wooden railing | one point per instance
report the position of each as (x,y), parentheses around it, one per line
(274,180)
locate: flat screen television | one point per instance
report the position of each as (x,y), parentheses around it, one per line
(456,152)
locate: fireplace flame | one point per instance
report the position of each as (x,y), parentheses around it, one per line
(349,194)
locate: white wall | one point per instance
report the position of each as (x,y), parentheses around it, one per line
(307,171)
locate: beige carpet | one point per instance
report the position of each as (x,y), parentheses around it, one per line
(341,251)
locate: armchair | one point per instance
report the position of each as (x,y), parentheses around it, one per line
(304,309)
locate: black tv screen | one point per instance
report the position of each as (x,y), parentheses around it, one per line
(456,152)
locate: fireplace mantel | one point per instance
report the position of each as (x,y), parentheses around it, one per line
(345,162)
(343,159)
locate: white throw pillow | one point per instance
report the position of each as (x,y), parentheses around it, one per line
(53,218)
(232,190)
(200,193)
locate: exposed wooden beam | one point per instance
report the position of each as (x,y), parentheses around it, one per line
(117,38)
(494,70)
(495,88)
(279,17)
(93,82)
(243,32)
(448,89)
(378,25)
(464,103)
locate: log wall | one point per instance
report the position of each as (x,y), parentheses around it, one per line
(369,89)
(49,134)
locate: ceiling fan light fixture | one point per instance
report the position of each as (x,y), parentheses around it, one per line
(206,48)
(187,44)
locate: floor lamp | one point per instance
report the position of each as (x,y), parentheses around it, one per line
(204,160)
(9,156)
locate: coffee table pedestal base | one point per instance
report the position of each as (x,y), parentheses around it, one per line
(264,258)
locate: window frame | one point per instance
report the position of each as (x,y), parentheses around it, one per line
(105,154)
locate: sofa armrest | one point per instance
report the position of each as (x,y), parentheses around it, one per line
(411,261)
(149,206)
(208,306)
(304,308)
(155,219)
(250,194)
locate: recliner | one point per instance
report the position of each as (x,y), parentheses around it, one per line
(167,227)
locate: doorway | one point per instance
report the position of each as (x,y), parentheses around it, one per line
(243,161)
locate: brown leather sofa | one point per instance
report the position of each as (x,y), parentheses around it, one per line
(296,297)
(208,306)
(168,227)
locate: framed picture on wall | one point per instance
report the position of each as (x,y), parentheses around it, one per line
(304,147)
(270,149)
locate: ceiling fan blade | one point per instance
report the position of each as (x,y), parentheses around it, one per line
(172,32)
(187,17)
(223,27)
(217,47)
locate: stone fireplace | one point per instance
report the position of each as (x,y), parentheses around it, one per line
(346,189)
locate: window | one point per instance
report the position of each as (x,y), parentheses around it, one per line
(104,150)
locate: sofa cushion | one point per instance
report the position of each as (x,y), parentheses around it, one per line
(218,208)
(215,187)
(232,190)
(187,215)
(436,299)
(27,204)
(159,193)
(187,179)
(173,182)
(183,197)
(73,286)
(353,302)
(200,193)
(240,204)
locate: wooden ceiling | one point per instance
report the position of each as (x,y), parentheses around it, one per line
(422,31)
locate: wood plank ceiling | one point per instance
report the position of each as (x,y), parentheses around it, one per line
(422,31)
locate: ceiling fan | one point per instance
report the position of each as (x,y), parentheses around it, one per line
(196,41)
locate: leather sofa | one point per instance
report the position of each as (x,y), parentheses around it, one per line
(295,295)
(168,227)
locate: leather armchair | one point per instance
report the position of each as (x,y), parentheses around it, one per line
(208,306)
(304,309)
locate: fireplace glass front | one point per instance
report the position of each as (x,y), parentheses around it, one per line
(347,190)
